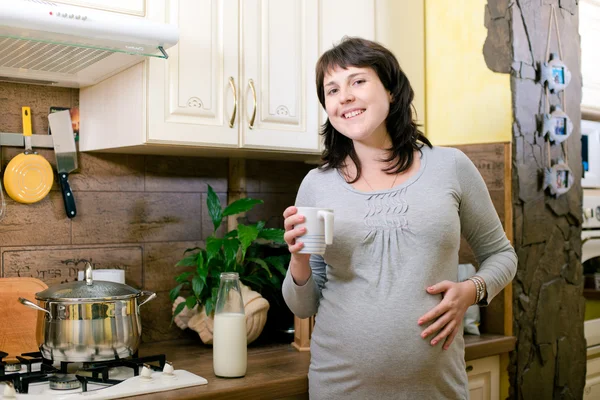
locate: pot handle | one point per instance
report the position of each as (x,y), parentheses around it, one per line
(31,304)
(151,296)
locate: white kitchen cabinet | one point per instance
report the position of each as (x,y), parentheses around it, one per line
(190,95)
(484,378)
(276,107)
(592,375)
(279,51)
(133,7)
(589,30)
(242,77)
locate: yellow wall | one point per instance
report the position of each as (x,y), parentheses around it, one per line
(401,28)
(592,309)
(439,39)
(465,101)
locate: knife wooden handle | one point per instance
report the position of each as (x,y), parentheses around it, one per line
(67,194)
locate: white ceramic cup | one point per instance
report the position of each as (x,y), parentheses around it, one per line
(319,229)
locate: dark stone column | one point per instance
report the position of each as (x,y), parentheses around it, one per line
(548,306)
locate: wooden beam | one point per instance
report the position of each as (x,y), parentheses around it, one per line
(302,332)
(236,187)
(591,114)
(508,227)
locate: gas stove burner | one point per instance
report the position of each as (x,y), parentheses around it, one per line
(12,366)
(64,382)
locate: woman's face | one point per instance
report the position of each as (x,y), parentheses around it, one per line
(357,104)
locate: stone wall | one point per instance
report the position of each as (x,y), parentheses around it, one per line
(549,361)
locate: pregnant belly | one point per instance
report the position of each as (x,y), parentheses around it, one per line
(378,342)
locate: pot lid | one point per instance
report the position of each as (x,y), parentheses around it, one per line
(88,289)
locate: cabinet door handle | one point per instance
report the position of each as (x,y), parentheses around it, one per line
(251,84)
(232,85)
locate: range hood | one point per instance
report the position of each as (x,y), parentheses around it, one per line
(47,43)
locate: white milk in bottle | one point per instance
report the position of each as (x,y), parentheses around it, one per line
(230,351)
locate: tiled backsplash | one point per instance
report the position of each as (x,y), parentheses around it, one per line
(135,212)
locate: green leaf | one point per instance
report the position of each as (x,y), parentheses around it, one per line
(230,248)
(260,225)
(208,306)
(214,208)
(232,266)
(253,250)
(215,267)
(202,267)
(200,260)
(272,234)
(202,274)
(247,234)
(178,309)
(277,262)
(211,302)
(240,206)
(275,281)
(183,277)
(192,249)
(262,264)
(188,261)
(253,281)
(197,286)
(213,246)
(231,234)
(175,292)
(190,302)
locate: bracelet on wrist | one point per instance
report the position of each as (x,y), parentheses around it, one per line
(480,288)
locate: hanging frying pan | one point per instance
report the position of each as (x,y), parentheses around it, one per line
(28,177)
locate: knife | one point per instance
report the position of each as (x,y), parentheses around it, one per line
(66,155)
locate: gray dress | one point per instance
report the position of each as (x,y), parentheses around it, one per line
(369,287)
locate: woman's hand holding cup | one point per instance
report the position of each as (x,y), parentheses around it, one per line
(316,225)
(299,264)
(292,233)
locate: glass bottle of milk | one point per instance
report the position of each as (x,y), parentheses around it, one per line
(230,352)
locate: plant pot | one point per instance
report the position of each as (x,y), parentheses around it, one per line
(255,307)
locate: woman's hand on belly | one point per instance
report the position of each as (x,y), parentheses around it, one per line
(448,315)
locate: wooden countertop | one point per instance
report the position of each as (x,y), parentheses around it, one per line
(591,294)
(274,371)
(487,345)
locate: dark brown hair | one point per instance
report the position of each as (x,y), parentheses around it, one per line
(401,126)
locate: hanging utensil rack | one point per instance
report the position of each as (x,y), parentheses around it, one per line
(16,140)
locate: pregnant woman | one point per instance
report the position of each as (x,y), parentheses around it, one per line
(388,304)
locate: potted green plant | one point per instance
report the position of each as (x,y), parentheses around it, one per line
(243,250)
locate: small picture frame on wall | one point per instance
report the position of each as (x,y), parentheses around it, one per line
(558,75)
(555,74)
(557,126)
(558,179)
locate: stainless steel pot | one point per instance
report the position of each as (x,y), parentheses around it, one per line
(89,321)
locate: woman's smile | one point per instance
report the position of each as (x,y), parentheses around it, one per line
(353,113)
